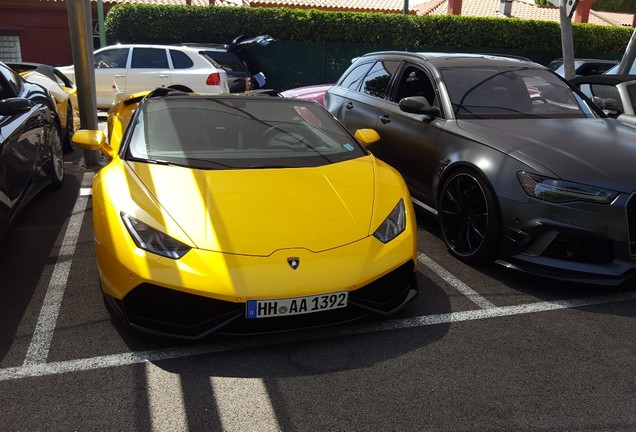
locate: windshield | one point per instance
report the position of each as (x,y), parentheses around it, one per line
(238,132)
(510,92)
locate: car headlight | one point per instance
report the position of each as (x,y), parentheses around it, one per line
(154,241)
(554,190)
(393,225)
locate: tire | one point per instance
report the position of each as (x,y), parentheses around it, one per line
(57,159)
(67,145)
(469,218)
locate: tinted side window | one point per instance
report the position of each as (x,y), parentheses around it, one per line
(414,82)
(149,58)
(111,58)
(180,60)
(376,83)
(12,86)
(352,80)
(603,91)
(631,91)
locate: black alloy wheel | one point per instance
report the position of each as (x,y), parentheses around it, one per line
(469,218)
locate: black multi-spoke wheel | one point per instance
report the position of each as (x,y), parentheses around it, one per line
(469,218)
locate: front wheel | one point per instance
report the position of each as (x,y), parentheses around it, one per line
(469,218)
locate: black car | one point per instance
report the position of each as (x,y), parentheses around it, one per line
(519,167)
(244,71)
(31,156)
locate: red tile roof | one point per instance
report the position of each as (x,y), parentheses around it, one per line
(524,9)
(520,9)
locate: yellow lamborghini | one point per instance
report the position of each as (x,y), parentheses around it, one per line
(63,91)
(245,214)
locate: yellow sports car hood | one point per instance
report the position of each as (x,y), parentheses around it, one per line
(259,211)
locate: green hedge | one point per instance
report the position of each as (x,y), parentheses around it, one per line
(136,23)
(332,37)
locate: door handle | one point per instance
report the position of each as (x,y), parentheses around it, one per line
(385,119)
(119,75)
(164,76)
(349,105)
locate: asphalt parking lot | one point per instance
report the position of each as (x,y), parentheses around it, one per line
(479,349)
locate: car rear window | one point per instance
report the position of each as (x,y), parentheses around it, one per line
(180,60)
(228,61)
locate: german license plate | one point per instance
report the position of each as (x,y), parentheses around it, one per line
(268,308)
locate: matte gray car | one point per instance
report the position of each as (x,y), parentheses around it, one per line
(519,167)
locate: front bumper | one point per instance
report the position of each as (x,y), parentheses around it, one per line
(157,310)
(574,242)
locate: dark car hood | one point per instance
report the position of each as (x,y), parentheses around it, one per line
(598,152)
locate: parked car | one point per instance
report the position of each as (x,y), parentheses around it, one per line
(614,70)
(31,156)
(244,71)
(583,66)
(614,94)
(135,68)
(235,214)
(518,166)
(62,89)
(315,93)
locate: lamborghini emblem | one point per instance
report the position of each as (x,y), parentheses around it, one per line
(293,262)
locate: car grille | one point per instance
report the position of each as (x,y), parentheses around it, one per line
(631,223)
(160,310)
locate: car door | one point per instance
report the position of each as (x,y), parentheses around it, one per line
(110,69)
(21,133)
(409,141)
(149,69)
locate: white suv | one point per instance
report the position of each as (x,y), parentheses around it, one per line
(134,68)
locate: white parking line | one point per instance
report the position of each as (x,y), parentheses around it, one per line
(460,286)
(127,359)
(40,344)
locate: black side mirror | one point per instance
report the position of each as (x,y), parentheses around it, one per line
(418,105)
(13,105)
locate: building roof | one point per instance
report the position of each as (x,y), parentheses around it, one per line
(180,2)
(524,9)
(520,9)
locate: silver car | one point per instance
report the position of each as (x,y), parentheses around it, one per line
(520,167)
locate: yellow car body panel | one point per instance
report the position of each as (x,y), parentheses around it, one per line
(62,95)
(237,253)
